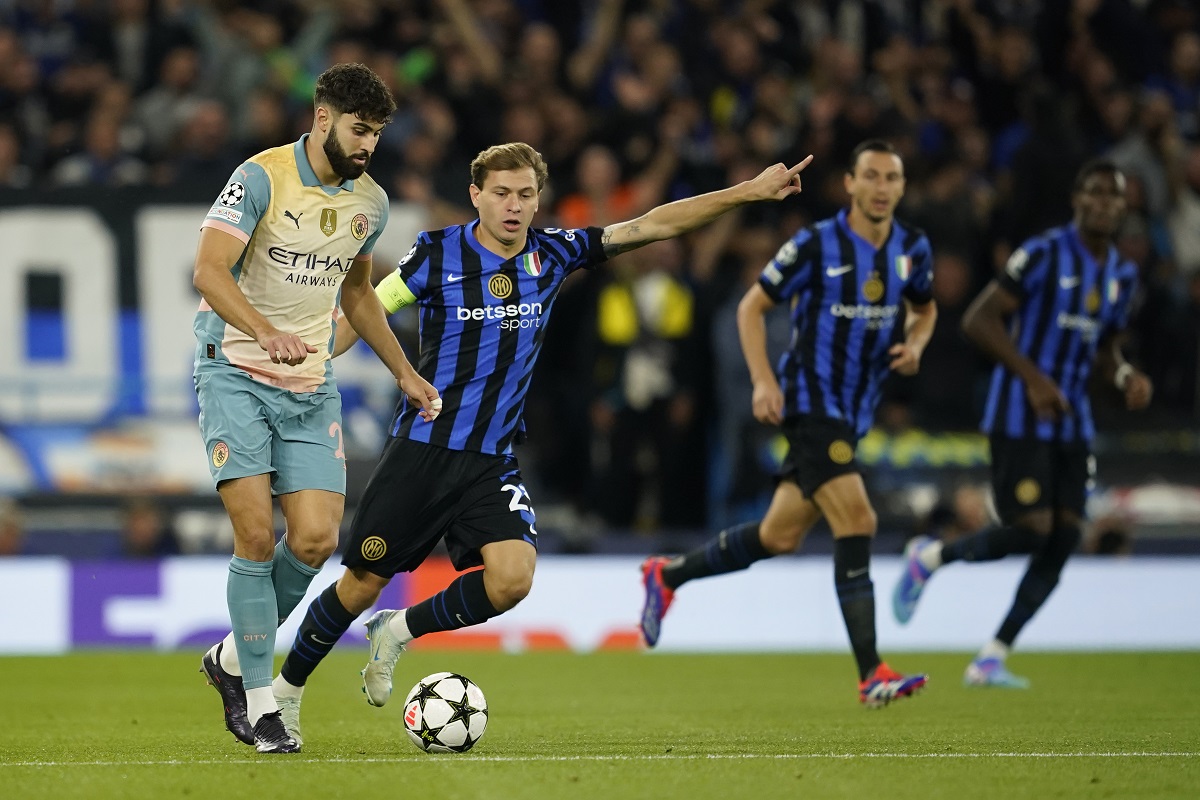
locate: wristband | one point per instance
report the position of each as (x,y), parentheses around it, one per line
(1121,376)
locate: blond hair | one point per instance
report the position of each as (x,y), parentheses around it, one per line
(514,155)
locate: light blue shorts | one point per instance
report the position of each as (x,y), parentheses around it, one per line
(253,428)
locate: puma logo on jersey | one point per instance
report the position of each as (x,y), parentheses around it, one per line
(294,218)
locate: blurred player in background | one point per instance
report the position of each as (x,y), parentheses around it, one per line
(484,293)
(845,279)
(294,226)
(1066,297)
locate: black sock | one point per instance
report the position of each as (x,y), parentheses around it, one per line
(729,551)
(1039,581)
(464,602)
(856,595)
(324,623)
(992,544)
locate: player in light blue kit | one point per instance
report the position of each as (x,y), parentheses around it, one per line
(291,232)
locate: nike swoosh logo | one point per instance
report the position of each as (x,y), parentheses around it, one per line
(1068,283)
(461,621)
(452,278)
(855,573)
(319,640)
(833,272)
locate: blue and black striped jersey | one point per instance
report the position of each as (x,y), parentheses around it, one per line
(846,298)
(482,321)
(1069,304)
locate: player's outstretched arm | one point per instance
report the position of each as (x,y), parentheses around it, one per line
(215,256)
(367,317)
(983,323)
(677,218)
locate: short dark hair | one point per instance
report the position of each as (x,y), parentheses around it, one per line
(870,146)
(355,89)
(1094,167)
(514,155)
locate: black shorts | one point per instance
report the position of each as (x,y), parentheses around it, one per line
(420,493)
(819,450)
(1032,475)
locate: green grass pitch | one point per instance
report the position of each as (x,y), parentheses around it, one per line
(618,725)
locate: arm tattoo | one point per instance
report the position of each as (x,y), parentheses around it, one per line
(611,249)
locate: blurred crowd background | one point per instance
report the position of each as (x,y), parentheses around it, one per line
(639,416)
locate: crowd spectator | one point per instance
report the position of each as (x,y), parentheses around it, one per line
(993,106)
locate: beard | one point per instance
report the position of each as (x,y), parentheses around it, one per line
(871,216)
(341,163)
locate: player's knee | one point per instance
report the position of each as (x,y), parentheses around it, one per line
(358,589)
(507,586)
(313,548)
(866,520)
(859,520)
(779,539)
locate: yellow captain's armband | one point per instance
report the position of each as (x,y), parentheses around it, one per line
(394,295)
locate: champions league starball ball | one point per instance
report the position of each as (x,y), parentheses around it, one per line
(445,713)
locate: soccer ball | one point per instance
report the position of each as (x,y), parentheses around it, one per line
(445,713)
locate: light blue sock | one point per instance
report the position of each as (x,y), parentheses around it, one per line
(252,613)
(291,577)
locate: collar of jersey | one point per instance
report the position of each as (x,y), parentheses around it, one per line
(845,224)
(1111,259)
(473,241)
(307,176)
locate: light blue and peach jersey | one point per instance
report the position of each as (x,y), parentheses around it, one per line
(301,239)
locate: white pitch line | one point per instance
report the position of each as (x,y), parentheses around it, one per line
(446,759)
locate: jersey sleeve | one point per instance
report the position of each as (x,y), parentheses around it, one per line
(393,293)
(918,289)
(368,245)
(575,248)
(242,203)
(790,269)
(413,269)
(1124,287)
(1025,272)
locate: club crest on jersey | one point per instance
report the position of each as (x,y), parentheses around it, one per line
(904,267)
(500,286)
(358,226)
(1093,301)
(374,548)
(531,263)
(872,288)
(328,221)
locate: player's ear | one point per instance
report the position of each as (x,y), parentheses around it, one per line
(473,190)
